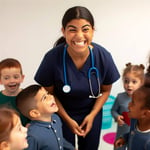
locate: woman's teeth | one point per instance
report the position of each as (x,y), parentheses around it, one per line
(80,43)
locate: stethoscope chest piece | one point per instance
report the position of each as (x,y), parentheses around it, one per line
(66,88)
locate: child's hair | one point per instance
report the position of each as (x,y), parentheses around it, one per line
(138,70)
(145,92)
(145,89)
(76,12)
(10,63)
(147,75)
(6,122)
(25,99)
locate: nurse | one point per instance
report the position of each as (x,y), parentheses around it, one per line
(80,74)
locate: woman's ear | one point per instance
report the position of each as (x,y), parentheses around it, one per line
(63,31)
(34,113)
(4,145)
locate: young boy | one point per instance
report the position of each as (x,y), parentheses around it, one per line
(44,132)
(11,76)
(139,111)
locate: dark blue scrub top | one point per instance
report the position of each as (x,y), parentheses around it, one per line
(50,72)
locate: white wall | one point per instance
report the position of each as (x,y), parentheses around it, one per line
(28,29)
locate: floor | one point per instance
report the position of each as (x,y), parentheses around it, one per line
(103,144)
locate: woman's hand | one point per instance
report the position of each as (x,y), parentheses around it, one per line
(75,128)
(87,124)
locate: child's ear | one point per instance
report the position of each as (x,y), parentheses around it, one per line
(34,113)
(4,145)
(147,113)
(22,77)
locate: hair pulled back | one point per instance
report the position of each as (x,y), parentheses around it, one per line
(76,12)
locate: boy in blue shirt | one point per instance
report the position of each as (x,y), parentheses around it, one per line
(44,132)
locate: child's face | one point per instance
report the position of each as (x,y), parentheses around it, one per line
(11,79)
(46,104)
(17,139)
(136,106)
(131,83)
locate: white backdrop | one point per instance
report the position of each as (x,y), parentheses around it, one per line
(28,29)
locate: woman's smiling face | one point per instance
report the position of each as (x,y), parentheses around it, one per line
(78,34)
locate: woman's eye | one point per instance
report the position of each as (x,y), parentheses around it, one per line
(72,30)
(86,29)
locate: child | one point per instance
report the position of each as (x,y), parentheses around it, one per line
(12,133)
(11,76)
(44,132)
(139,110)
(133,78)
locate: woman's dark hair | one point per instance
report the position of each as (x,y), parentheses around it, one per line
(77,12)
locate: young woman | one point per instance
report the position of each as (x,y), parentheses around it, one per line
(80,74)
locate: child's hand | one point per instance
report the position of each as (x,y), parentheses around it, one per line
(120,120)
(119,143)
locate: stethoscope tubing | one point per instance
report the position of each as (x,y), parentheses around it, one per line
(91,69)
(64,65)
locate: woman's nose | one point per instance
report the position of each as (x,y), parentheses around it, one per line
(79,34)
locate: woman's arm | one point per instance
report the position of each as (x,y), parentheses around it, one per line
(88,121)
(72,124)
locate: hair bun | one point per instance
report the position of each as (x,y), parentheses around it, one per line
(142,66)
(128,64)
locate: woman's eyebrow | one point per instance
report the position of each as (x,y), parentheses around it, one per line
(72,26)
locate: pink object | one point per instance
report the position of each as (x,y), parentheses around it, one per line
(110,137)
(126,118)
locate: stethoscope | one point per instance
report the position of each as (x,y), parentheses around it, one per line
(67,88)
